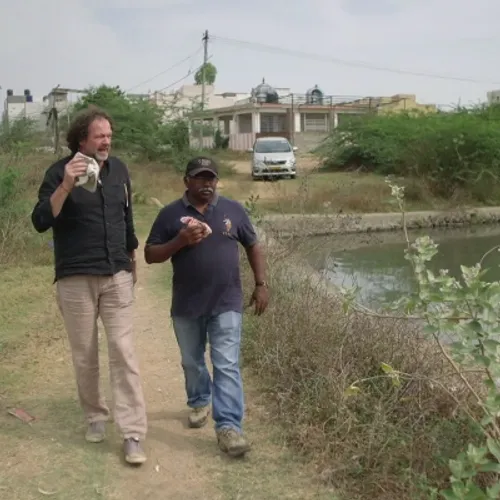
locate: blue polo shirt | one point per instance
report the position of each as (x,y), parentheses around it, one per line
(206,279)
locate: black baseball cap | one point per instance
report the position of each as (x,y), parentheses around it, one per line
(201,164)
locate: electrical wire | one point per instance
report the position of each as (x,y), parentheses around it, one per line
(189,73)
(166,70)
(344,62)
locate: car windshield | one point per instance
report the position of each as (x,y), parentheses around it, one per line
(279,146)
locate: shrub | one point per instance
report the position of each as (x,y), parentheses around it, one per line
(448,151)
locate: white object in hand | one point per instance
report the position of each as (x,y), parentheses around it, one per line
(192,221)
(88,181)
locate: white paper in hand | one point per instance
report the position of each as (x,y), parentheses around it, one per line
(89,181)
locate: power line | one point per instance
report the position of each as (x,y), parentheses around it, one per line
(166,70)
(353,64)
(189,73)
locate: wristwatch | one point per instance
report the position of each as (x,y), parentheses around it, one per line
(261,283)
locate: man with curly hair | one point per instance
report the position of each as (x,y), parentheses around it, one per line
(94,246)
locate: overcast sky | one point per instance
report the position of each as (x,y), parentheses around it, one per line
(76,43)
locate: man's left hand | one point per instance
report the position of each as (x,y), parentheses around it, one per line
(260,298)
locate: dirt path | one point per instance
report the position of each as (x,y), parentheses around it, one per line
(176,454)
(185,463)
(50,458)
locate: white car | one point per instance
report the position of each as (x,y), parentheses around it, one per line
(273,158)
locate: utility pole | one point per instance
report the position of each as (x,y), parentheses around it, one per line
(203,83)
(53,118)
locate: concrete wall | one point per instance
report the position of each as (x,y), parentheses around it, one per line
(30,110)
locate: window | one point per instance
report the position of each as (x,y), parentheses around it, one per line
(276,146)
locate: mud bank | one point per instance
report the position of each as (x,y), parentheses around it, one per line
(324,225)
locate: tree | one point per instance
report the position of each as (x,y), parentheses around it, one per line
(138,123)
(210,74)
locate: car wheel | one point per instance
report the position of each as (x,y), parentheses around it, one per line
(293,176)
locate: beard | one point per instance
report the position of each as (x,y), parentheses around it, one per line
(101,155)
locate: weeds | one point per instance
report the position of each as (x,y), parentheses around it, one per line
(367,395)
(308,352)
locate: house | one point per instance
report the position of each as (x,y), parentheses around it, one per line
(19,106)
(187,98)
(305,119)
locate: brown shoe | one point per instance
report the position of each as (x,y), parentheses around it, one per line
(134,454)
(232,442)
(199,417)
(96,432)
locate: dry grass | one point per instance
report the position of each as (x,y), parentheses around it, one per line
(387,442)
(50,454)
(19,182)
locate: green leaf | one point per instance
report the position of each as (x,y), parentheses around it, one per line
(352,390)
(494,447)
(457,469)
(491,345)
(395,381)
(430,329)
(493,492)
(490,467)
(475,493)
(448,494)
(386,368)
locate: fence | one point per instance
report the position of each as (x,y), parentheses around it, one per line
(241,142)
(207,142)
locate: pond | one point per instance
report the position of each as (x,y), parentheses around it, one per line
(375,262)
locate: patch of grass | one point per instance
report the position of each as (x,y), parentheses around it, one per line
(50,454)
(386,441)
(336,192)
(26,300)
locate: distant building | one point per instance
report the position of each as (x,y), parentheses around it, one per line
(187,98)
(493,97)
(63,100)
(18,106)
(305,119)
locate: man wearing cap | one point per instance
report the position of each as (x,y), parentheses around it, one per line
(200,233)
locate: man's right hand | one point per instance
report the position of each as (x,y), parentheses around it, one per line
(73,169)
(191,235)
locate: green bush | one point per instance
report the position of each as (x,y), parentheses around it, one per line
(448,151)
(18,137)
(19,181)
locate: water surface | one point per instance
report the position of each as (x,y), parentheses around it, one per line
(376,262)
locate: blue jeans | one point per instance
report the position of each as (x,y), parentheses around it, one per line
(223,333)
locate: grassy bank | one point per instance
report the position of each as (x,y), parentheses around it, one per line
(385,441)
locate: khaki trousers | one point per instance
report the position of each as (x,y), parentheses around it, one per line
(82,299)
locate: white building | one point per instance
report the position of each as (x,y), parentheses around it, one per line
(17,106)
(493,97)
(188,98)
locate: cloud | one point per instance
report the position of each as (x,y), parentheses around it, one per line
(81,42)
